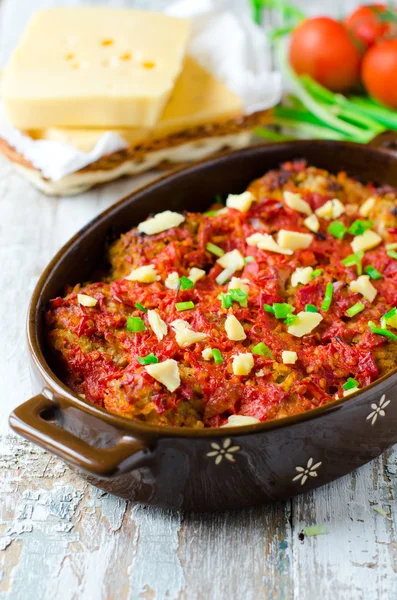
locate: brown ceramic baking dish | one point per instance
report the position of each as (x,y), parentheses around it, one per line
(211,468)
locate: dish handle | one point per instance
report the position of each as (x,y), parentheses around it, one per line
(387,141)
(32,420)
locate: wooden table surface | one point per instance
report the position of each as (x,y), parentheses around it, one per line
(61,538)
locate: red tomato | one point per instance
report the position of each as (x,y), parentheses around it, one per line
(379,72)
(322,48)
(368,24)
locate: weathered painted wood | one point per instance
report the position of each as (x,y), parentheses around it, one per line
(61,538)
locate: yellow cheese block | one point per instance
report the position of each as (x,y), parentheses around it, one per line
(95,67)
(198,98)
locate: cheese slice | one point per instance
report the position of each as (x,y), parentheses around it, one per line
(157,324)
(172,281)
(332,209)
(85,300)
(145,274)
(243,363)
(362,285)
(197,99)
(312,223)
(184,334)
(369,239)
(240,420)
(301,275)
(296,202)
(167,373)
(241,202)
(234,329)
(161,222)
(305,323)
(264,241)
(293,240)
(366,207)
(289,357)
(94,66)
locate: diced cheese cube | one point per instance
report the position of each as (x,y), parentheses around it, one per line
(161,222)
(369,239)
(94,67)
(293,240)
(184,334)
(239,284)
(172,281)
(240,421)
(234,329)
(195,274)
(296,202)
(166,372)
(301,275)
(207,354)
(157,324)
(366,207)
(312,223)
(264,241)
(241,202)
(332,209)
(306,322)
(351,391)
(85,300)
(243,363)
(233,259)
(289,357)
(146,274)
(362,285)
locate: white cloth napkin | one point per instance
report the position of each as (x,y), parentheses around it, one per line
(226,43)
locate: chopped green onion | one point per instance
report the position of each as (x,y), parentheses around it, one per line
(211,213)
(226,299)
(337,229)
(381,331)
(310,308)
(186,283)
(238,296)
(282,310)
(135,324)
(291,319)
(268,308)
(218,359)
(387,316)
(392,254)
(358,227)
(249,259)
(354,260)
(214,249)
(316,273)
(150,359)
(372,272)
(350,384)
(184,305)
(329,290)
(262,350)
(140,307)
(355,309)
